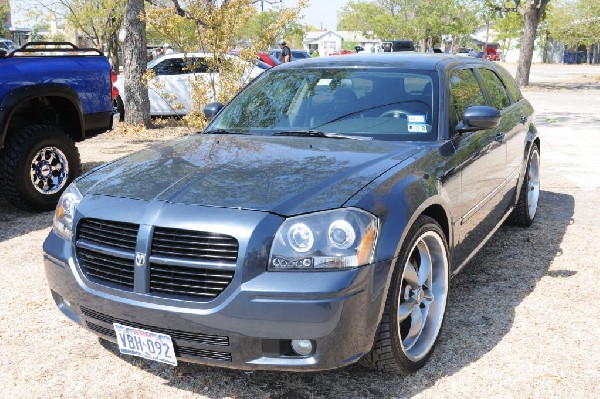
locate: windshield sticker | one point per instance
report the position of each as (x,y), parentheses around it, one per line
(416,118)
(416,124)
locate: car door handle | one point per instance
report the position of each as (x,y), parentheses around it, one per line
(524,119)
(500,136)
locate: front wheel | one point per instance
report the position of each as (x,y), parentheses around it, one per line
(416,302)
(36,165)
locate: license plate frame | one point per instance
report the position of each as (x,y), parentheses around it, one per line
(145,343)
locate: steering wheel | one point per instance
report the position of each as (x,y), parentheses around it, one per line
(395,113)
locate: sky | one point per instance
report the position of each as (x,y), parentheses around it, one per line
(319,13)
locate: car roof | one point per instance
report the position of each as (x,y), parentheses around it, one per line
(408,60)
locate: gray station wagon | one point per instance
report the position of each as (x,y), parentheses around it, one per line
(314,223)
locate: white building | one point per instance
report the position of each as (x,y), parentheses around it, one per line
(326,42)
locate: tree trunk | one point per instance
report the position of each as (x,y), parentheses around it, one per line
(532,12)
(137,104)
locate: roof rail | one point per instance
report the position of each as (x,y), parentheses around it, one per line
(54,48)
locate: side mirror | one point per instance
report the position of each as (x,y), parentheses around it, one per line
(212,109)
(479,117)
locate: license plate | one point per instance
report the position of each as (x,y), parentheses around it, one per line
(147,344)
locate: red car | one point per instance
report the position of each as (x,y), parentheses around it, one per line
(492,54)
(342,52)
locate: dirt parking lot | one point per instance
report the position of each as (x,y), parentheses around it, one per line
(523,319)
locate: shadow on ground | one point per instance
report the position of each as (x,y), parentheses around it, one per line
(16,222)
(481,311)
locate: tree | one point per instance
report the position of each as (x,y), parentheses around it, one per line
(576,22)
(509,29)
(137,106)
(532,13)
(216,27)
(99,20)
(421,21)
(4,16)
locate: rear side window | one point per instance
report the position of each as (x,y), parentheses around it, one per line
(170,66)
(465,91)
(511,85)
(495,89)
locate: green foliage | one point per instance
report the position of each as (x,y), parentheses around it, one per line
(575,21)
(4,15)
(417,20)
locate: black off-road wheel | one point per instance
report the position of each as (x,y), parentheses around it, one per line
(527,205)
(416,302)
(36,165)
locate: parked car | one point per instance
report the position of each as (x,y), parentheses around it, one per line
(343,52)
(493,54)
(170,90)
(314,223)
(7,45)
(397,45)
(464,52)
(268,59)
(296,54)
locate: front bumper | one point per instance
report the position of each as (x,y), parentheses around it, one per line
(249,326)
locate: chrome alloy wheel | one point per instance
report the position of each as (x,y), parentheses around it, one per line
(49,170)
(533,181)
(422,299)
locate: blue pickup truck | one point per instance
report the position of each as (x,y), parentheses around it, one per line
(51,96)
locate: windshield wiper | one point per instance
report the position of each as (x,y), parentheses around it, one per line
(317,133)
(222,131)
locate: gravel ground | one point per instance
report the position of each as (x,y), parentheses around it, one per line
(523,319)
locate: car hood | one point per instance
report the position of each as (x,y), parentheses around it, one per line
(282,175)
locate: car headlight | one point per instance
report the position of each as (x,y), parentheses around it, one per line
(65,212)
(339,239)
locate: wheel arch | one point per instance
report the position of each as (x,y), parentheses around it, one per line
(48,104)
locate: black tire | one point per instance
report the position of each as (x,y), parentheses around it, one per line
(526,208)
(120,108)
(395,350)
(37,163)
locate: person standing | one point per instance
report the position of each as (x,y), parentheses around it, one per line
(286,53)
(167,49)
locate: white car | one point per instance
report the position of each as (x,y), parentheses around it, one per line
(170,90)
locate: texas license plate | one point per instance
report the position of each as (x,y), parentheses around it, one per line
(147,344)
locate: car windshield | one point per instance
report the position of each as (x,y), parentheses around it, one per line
(380,104)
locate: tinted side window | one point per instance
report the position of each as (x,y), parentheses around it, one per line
(171,66)
(495,89)
(465,91)
(196,65)
(511,85)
